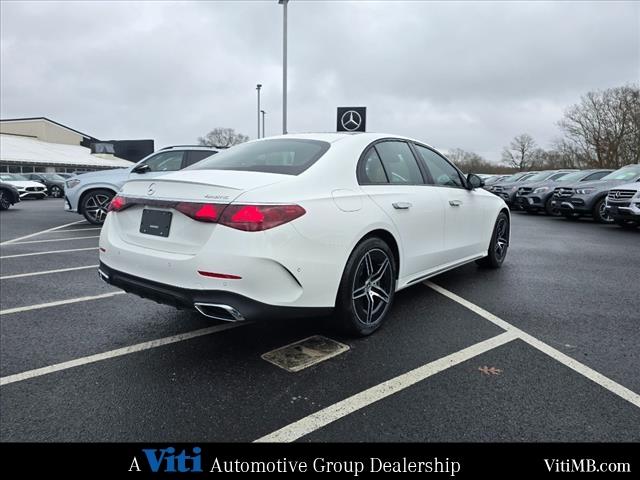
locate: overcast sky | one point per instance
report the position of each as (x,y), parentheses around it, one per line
(469,74)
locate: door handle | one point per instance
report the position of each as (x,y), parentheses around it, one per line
(455,203)
(402,205)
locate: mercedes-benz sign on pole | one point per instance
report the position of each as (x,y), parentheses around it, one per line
(352,119)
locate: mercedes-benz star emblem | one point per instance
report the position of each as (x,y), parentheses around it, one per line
(350,120)
(152,189)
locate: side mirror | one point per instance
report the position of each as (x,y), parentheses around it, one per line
(141,168)
(474,181)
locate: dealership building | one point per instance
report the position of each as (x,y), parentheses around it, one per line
(39,144)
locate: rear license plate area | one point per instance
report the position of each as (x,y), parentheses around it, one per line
(156,222)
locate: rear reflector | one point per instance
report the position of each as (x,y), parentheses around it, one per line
(226,276)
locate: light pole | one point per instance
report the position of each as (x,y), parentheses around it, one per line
(258,87)
(284,64)
(263,114)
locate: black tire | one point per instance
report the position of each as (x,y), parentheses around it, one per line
(550,209)
(5,203)
(499,243)
(600,215)
(367,288)
(627,224)
(56,192)
(94,205)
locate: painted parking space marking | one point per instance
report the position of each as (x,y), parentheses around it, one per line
(582,369)
(59,302)
(48,252)
(7,242)
(54,240)
(304,353)
(38,372)
(46,272)
(365,398)
(77,229)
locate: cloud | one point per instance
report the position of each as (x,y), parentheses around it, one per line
(469,75)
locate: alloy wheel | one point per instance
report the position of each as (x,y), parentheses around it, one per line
(4,201)
(502,238)
(372,286)
(56,192)
(96,207)
(604,215)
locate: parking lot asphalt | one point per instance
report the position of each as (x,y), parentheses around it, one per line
(552,357)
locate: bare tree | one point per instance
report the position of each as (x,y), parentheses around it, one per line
(605,127)
(471,162)
(521,152)
(222,137)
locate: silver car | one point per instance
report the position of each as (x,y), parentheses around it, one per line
(89,194)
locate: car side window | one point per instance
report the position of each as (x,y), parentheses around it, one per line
(370,169)
(441,170)
(194,156)
(165,161)
(595,176)
(399,163)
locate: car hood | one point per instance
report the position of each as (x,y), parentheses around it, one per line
(597,184)
(629,186)
(23,183)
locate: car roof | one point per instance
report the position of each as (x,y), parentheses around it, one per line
(190,147)
(333,137)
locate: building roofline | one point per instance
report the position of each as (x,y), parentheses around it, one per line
(25,119)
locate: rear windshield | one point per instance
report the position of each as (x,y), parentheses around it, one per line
(283,155)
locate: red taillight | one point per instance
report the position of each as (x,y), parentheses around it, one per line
(203,212)
(255,218)
(117,203)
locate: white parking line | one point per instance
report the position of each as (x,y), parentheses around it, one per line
(59,302)
(54,240)
(77,230)
(46,272)
(47,253)
(41,232)
(365,398)
(38,372)
(566,360)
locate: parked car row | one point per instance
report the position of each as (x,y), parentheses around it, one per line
(29,185)
(606,195)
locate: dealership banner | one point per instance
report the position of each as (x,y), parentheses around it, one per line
(455,460)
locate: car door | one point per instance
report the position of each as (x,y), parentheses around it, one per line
(390,174)
(466,210)
(159,164)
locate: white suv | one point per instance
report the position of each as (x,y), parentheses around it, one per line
(623,204)
(89,194)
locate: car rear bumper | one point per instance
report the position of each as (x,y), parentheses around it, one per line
(217,304)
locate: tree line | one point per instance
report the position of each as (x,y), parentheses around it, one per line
(601,131)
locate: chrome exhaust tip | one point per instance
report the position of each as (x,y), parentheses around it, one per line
(219,312)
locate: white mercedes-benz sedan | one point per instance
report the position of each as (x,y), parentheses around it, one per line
(300,225)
